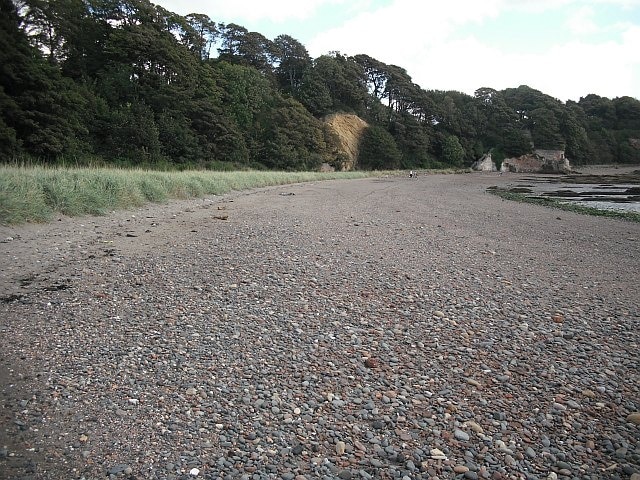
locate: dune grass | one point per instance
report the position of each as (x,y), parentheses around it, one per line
(35,193)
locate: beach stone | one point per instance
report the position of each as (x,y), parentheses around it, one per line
(244,343)
(634,418)
(372,362)
(118,469)
(437,454)
(378,424)
(475,427)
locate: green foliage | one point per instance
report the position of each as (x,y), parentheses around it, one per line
(414,141)
(34,194)
(515,142)
(333,83)
(293,138)
(452,151)
(378,150)
(498,156)
(131,83)
(293,61)
(41,109)
(579,147)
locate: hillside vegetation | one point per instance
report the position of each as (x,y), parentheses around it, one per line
(126,82)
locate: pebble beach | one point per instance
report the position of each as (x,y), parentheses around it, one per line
(384,328)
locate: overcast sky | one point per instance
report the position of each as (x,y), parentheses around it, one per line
(565,48)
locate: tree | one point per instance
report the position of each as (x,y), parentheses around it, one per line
(292,138)
(378,150)
(246,100)
(334,83)
(516,142)
(579,148)
(627,113)
(452,151)
(375,74)
(199,34)
(247,48)
(545,129)
(413,138)
(41,111)
(292,61)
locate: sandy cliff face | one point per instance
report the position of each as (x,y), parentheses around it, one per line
(348,129)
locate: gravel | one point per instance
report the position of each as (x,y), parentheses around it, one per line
(379,328)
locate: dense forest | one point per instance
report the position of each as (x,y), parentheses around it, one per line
(128,82)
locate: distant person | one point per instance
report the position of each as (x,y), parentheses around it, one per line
(411,174)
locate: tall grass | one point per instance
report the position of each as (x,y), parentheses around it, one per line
(35,193)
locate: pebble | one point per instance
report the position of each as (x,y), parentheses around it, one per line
(634,418)
(262,348)
(438,454)
(121,468)
(372,362)
(474,426)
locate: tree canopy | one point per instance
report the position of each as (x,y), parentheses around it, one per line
(127,81)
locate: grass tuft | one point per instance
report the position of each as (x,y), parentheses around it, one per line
(36,193)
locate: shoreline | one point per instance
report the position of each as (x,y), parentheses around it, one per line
(371,328)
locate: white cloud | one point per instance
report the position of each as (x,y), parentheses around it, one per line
(581,21)
(546,5)
(239,11)
(404,26)
(433,42)
(567,71)
(440,45)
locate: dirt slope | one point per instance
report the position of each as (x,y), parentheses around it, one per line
(348,128)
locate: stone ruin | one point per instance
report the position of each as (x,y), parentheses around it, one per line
(540,161)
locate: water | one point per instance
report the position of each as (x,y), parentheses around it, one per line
(604,196)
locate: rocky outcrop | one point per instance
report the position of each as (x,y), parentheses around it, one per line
(348,130)
(485,164)
(540,161)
